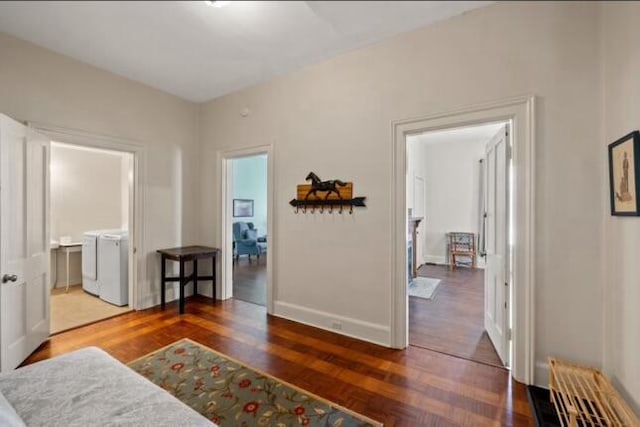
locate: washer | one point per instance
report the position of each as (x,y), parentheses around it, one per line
(113,266)
(90,271)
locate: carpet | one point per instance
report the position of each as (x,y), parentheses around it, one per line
(230,393)
(423,287)
(542,408)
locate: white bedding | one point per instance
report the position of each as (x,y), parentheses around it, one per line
(90,388)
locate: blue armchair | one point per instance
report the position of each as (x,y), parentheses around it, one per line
(245,240)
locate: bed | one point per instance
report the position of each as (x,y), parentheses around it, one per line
(88,387)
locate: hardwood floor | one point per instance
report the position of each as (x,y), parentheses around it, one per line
(453,321)
(409,387)
(250,280)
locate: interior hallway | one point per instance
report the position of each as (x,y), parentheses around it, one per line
(250,280)
(452,322)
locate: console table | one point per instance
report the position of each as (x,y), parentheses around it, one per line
(183,255)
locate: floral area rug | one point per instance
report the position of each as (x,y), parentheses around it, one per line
(232,394)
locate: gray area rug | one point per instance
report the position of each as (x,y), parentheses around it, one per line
(423,287)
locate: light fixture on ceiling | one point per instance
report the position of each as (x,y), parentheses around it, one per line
(217,3)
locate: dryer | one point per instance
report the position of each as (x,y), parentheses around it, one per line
(113,266)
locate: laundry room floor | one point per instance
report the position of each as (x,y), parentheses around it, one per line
(76,308)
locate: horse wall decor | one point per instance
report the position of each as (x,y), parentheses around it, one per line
(329,187)
(323,194)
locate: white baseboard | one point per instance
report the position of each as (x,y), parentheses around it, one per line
(435,259)
(362,330)
(153,299)
(541,374)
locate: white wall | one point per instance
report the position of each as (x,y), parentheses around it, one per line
(621,69)
(334,118)
(250,182)
(451,171)
(42,86)
(87,191)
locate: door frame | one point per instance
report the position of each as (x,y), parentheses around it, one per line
(136,209)
(521,112)
(224,235)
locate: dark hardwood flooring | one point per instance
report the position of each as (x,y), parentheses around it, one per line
(453,321)
(250,280)
(412,387)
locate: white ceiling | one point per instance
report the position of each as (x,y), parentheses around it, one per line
(200,52)
(480,133)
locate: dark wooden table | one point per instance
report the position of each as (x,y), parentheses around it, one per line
(183,255)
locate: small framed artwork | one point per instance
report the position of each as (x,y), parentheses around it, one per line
(624,175)
(242,208)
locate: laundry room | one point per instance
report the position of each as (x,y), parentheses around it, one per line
(91,203)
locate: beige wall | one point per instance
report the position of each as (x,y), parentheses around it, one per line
(42,86)
(621,77)
(334,118)
(87,192)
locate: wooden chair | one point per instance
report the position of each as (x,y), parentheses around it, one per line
(462,245)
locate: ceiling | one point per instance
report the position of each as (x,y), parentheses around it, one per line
(479,133)
(199,52)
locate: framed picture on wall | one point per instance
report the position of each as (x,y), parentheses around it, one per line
(624,175)
(242,208)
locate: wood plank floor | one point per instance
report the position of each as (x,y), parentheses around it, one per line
(410,387)
(452,321)
(250,280)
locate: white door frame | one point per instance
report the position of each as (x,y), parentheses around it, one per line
(225,239)
(136,211)
(520,111)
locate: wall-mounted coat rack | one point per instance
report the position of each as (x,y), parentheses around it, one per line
(325,194)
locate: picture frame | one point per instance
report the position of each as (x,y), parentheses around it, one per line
(242,208)
(624,175)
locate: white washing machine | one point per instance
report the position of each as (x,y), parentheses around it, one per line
(90,255)
(113,266)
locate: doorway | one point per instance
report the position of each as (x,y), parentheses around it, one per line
(458,241)
(247,231)
(91,209)
(249,228)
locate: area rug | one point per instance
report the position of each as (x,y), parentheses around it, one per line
(230,393)
(423,287)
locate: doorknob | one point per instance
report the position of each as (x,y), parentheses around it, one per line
(9,278)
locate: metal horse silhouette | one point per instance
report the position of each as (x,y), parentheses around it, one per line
(317,184)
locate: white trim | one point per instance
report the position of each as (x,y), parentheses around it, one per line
(224,239)
(136,220)
(367,331)
(521,111)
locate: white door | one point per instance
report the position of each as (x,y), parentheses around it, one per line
(419,212)
(24,242)
(496,273)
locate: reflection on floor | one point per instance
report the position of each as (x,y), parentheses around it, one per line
(76,308)
(453,321)
(250,280)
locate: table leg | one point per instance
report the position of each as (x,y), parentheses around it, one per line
(195,277)
(163,281)
(67,288)
(182,283)
(213,281)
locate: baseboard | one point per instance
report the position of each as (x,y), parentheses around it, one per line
(153,299)
(366,331)
(434,259)
(541,374)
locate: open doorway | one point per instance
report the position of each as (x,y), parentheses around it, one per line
(91,211)
(249,227)
(458,187)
